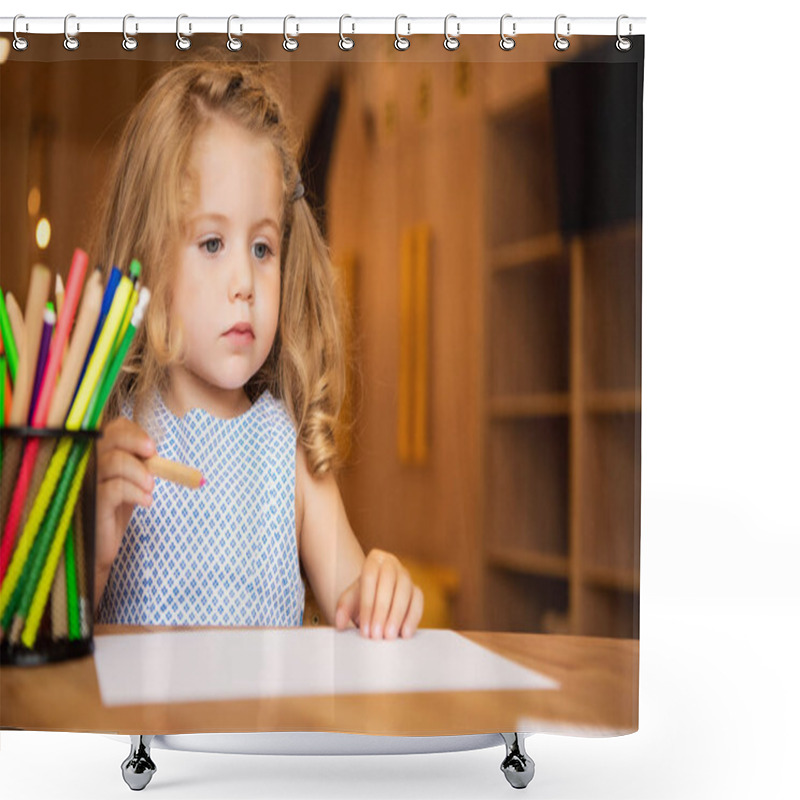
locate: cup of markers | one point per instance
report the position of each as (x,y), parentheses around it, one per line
(57,368)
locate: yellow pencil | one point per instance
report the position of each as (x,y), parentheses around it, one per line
(34,522)
(73,360)
(100,354)
(48,573)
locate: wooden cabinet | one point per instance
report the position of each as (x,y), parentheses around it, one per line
(562,411)
(530,489)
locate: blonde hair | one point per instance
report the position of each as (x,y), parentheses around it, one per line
(141,215)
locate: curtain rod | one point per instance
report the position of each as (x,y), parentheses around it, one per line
(75,25)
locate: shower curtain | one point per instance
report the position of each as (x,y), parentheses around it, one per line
(481,207)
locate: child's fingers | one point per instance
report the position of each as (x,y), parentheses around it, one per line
(369,582)
(124,434)
(121,464)
(414,613)
(384,592)
(118,491)
(403,591)
(347,607)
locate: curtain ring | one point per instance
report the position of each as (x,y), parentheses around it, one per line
(234,43)
(289,43)
(560,43)
(345,42)
(400,42)
(451,42)
(506,42)
(128,42)
(623,44)
(70,42)
(19,42)
(182,43)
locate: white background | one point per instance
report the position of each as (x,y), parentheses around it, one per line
(719,695)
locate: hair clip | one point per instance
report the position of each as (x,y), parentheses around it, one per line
(299,190)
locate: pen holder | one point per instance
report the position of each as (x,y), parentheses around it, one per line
(47,530)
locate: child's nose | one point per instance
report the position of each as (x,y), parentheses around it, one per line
(241,279)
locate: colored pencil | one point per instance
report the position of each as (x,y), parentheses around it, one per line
(108,296)
(3,376)
(24,592)
(99,355)
(17,323)
(73,598)
(59,294)
(34,309)
(37,451)
(66,317)
(59,599)
(9,341)
(175,472)
(33,611)
(10,576)
(70,372)
(42,358)
(87,318)
(40,572)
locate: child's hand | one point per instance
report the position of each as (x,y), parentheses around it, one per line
(123,481)
(382,601)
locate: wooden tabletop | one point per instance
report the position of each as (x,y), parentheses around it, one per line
(598,679)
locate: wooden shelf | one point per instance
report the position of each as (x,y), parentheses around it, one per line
(544,404)
(528,562)
(562,399)
(611,578)
(549,404)
(611,402)
(529,253)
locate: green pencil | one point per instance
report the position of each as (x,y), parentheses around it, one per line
(26,588)
(8,338)
(24,592)
(73,600)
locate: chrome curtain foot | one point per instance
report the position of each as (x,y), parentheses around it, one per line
(138,768)
(518,766)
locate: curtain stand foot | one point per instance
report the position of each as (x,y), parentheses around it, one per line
(138,768)
(517,766)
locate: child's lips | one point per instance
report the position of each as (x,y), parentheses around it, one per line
(239,334)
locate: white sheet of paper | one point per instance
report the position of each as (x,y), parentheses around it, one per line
(181,666)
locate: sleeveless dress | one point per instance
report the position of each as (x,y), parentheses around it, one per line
(223,554)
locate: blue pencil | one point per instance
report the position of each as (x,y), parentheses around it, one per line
(108,297)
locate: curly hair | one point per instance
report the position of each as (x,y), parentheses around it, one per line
(140,216)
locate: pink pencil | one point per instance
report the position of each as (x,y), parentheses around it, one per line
(63,328)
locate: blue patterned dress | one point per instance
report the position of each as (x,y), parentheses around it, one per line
(224,554)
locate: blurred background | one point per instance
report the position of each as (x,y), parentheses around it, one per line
(485,225)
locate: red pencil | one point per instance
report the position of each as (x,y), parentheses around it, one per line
(63,328)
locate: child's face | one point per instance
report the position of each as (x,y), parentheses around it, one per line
(226,292)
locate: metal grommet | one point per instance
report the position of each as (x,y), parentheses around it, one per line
(560,43)
(289,43)
(400,42)
(182,43)
(70,42)
(128,42)
(506,42)
(19,43)
(623,44)
(234,43)
(345,43)
(451,42)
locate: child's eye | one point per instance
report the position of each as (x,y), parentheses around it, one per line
(261,250)
(212,246)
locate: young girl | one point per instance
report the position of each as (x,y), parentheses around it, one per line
(237,371)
